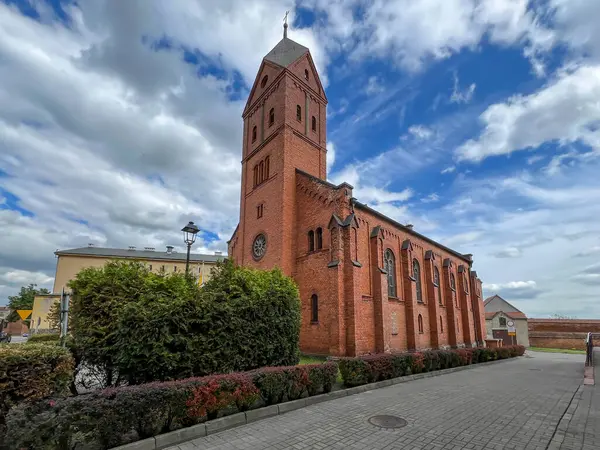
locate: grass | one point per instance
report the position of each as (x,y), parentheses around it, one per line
(305,359)
(557,350)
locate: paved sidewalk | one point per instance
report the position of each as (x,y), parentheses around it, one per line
(513,405)
(583,424)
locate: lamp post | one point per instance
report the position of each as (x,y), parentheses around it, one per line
(189,237)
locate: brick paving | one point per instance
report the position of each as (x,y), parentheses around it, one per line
(513,405)
(582,429)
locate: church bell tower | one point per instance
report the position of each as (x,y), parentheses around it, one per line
(284,131)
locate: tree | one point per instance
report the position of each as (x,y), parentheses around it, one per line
(562,316)
(24,300)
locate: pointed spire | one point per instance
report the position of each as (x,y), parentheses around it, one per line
(285,25)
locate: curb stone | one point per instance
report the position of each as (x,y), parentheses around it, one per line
(235,420)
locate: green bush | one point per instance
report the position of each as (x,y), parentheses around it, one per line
(30,372)
(138,326)
(370,368)
(114,416)
(43,338)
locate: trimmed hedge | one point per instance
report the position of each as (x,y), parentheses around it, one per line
(42,338)
(114,416)
(31,372)
(371,368)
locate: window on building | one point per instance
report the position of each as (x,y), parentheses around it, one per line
(311,241)
(466,284)
(254,133)
(441,325)
(314,308)
(319,238)
(266,169)
(417,277)
(389,264)
(436,282)
(502,321)
(263,83)
(271,116)
(420,320)
(453,287)
(255,175)
(259,211)
(314,123)
(457,325)
(174,268)
(149,266)
(298,113)
(162,268)
(306,74)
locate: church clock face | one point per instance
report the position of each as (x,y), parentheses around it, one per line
(259,246)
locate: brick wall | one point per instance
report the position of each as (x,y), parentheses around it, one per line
(561,333)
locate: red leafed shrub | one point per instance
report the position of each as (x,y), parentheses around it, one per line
(216,393)
(464,356)
(417,363)
(297,381)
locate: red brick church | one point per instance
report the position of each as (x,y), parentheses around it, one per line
(367,283)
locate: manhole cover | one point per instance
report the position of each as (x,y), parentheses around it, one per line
(388,421)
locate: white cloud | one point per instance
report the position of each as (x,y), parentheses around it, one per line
(513,289)
(420,131)
(431,198)
(461,96)
(588,251)
(448,169)
(373,86)
(330,156)
(566,110)
(509,252)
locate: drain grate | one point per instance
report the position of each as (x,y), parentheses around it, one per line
(388,421)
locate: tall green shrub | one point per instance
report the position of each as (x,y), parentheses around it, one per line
(139,326)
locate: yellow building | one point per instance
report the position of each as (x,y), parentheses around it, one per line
(70,262)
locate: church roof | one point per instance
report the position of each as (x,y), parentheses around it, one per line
(286,52)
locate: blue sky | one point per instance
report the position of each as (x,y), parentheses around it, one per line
(475,120)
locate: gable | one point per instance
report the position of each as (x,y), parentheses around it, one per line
(497,303)
(271,71)
(299,68)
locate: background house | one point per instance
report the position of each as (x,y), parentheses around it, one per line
(70,262)
(499,315)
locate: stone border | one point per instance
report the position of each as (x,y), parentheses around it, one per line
(176,437)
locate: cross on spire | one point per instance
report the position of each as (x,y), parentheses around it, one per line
(285,24)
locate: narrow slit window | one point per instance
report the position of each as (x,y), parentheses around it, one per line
(314,307)
(319,238)
(254,133)
(420,320)
(298,113)
(311,241)
(314,123)
(417,277)
(271,116)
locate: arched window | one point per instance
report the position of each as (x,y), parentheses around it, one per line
(272,116)
(266,168)
(417,277)
(311,241)
(436,282)
(319,238)
(299,113)
(457,325)
(502,321)
(314,308)
(254,133)
(420,320)
(389,264)
(255,175)
(263,83)
(314,123)
(261,172)
(306,74)
(453,287)
(441,325)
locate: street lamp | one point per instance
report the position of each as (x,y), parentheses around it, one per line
(189,237)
